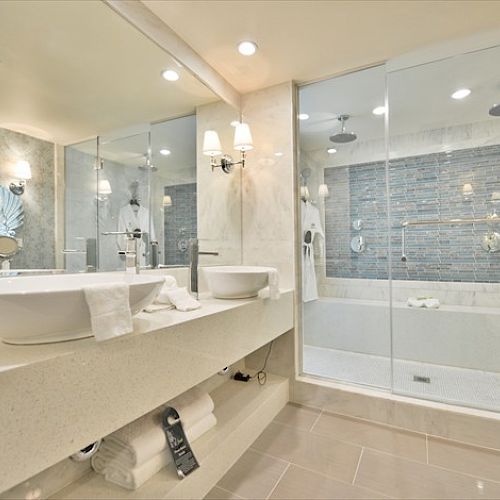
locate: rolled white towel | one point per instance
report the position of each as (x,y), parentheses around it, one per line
(144,438)
(425,302)
(116,470)
(109,308)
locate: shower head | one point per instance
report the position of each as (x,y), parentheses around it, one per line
(148,166)
(343,137)
(495,110)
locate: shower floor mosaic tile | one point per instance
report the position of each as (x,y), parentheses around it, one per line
(462,386)
(311,454)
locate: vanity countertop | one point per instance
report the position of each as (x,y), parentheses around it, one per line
(16,356)
(60,397)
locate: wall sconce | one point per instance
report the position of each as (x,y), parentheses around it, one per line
(242,142)
(323,191)
(167,201)
(467,191)
(22,173)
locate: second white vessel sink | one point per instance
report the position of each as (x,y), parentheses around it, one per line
(236,282)
(46,309)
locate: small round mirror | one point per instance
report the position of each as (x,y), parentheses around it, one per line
(8,247)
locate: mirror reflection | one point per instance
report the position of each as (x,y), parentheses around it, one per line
(90,145)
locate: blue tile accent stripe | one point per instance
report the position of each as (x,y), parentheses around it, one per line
(424,187)
(180,223)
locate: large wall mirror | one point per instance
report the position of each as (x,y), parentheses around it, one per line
(94,140)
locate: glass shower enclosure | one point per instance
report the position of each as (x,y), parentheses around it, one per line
(400,190)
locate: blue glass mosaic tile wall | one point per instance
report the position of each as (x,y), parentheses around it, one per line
(180,223)
(425,187)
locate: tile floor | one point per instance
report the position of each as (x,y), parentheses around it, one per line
(309,454)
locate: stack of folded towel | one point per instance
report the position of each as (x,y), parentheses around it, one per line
(427,302)
(172,296)
(136,452)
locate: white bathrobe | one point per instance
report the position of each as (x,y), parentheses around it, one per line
(131,218)
(311,221)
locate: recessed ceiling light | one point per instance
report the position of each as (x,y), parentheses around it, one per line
(460,93)
(165,152)
(278,153)
(303,116)
(247,48)
(235,123)
(331,150)
(170,75)
(379,110)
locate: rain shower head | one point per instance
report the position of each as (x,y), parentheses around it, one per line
(148,166)
(495,110)
(343,137)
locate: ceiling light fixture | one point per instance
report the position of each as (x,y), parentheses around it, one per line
(278,153)
(247,48)
(303,116)
(165,152)
(331,151)
(379,110)
(170,75)
(460,94)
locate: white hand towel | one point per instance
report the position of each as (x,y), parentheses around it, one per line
(432,303)
(170,283)
(182,300)
(158,307)
(109,309)
(144,438)
(120,472)
(274,284)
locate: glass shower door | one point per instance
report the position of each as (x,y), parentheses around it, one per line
(344,229)
(444,196)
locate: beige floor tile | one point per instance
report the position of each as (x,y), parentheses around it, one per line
(397,442)
(301,483)
(312,451)
(464,458)
(402,478)
(217,493)
(253,476)
(301,417)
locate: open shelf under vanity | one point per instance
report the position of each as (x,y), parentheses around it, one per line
(243,411)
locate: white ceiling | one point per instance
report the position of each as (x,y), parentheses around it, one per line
(419,99)
(70,70)
(305,40)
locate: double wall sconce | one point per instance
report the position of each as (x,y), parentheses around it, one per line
(22,173)
(242,142)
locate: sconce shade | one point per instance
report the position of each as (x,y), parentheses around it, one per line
(243,137)
(323,191)
(167,201)
(211,143)
(104,187)
(304,193)
(467,190)
(22,170)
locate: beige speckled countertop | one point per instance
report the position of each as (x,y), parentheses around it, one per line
(57,398)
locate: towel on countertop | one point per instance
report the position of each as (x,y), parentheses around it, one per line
(181,299)
(109,309)
(425,302)
(158,307)
(169,284)
(113,463)
(144,438)
(274,284)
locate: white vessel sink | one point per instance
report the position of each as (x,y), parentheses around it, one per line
(46,309)
(236,282)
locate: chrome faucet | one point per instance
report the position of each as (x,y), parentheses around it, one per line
(194,253)
(132,262)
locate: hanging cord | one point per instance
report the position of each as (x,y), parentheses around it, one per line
(261,375)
